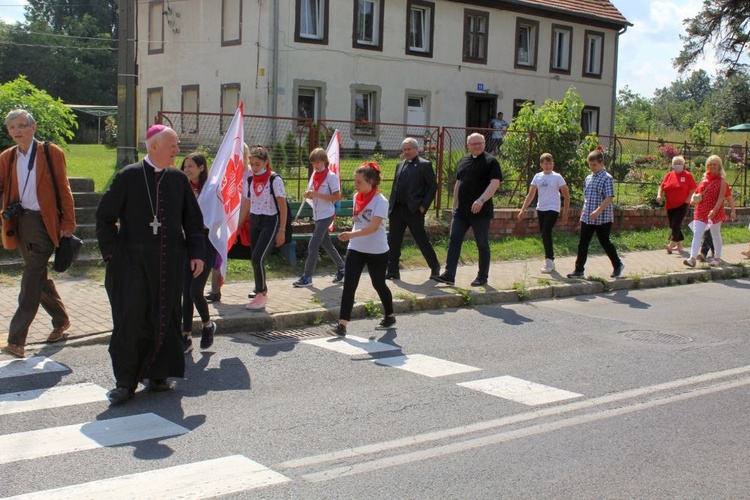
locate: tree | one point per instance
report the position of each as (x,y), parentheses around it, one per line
(723,25)
(72,45)
(55,121)
(730,103)
(553,127)
(632,112)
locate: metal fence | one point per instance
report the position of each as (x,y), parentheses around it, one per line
(637,165)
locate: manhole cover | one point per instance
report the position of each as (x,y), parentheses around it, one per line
(289,335)
(655,337)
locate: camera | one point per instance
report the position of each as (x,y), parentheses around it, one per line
(12,211)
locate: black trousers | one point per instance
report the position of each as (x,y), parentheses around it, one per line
(547,220)
(602,233)
(675,216)
(354,265)
(263,230)
(192,290)
(398,221)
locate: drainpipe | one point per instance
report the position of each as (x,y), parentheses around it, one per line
(614,80)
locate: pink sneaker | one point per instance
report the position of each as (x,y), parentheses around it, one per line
(258,303)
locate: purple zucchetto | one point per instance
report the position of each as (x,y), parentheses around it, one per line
(154,129)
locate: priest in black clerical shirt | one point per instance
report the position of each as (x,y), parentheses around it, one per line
(160,223)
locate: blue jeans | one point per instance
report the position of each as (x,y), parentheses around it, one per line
(481,228)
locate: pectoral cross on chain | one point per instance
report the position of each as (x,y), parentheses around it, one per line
(155,225)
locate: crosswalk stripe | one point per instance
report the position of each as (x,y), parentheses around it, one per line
(66,439)
(42,399)
(425,365)
(520,391)
(206,479)
(29,366)
(351,345)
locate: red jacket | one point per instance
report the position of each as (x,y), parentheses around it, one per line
(45,191)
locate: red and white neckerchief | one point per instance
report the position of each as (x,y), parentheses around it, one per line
(259,181)
(318,178)
(362,200)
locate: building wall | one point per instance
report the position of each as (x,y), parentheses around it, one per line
(193,55)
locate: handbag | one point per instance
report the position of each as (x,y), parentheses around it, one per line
(66,253)
(68,248)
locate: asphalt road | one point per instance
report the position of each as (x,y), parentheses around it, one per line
(629,394)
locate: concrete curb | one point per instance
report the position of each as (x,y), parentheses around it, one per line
(456,298)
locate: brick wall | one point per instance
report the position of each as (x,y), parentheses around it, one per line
(505,222)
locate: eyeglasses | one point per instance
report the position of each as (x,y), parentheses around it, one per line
(476,144)
(13,128)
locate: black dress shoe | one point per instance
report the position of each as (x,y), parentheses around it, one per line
(435,273)
(479,282)
(444,278)
(213,296)
(392,276)
(575,274)
(160,385)
(119,395)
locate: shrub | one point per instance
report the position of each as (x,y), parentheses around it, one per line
(110,132)
(668,151)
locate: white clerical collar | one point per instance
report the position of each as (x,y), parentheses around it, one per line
(151,164)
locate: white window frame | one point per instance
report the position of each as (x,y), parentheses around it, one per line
(561,48)
(313,92)
(590,120)
(190,104)
(527,38)
(374,18)
(593,58)
(230,99)
(312,28)
(419,43)
(365,102)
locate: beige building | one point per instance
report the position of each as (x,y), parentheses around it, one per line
(442,62)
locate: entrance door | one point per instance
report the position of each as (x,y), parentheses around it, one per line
(480,109)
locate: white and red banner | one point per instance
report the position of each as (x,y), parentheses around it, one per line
(334,162)
(221,196)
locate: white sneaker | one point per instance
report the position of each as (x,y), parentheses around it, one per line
(548,267)
(258,303)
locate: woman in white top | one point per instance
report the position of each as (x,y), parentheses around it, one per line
(549,184)
(368,245)
(323,191)
(268,220)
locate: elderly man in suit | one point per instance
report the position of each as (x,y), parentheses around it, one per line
(414,188)
(32,224)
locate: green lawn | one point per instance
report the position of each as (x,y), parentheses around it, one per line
(92,161)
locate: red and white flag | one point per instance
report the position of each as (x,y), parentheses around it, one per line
(334,162)
(221,196)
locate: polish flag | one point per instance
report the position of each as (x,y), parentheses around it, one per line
(221,196)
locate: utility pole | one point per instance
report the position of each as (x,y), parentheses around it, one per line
(127,78)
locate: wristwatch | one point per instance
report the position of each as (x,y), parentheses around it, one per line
(481,200)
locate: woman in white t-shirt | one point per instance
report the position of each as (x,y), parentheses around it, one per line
(368,245)
(322,192)
(549,185)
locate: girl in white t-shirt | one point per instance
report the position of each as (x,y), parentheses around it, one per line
(549,185)
(267,218)
(368,245)
(322,192)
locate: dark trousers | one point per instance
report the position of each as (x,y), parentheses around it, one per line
(398,221)
(36,289)
(192,290)
(675,216)
(547,220)
(354,265)
(602,233)
(263,230)
(708,244)
(481,228)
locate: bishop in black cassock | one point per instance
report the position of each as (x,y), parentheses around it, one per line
(159,221)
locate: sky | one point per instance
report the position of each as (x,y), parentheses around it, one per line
(646,49)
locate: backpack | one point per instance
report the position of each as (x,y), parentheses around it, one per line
(288,233)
